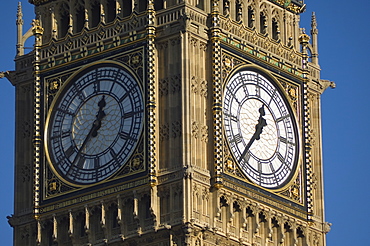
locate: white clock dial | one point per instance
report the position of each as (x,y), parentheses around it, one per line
(94,124)
(260,129)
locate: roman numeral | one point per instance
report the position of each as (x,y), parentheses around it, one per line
(114,156)
(69,151)
(66,134)
(232,117)
(123,97)
(237,139)
(247,157)
(126,136)
(258,90)
(272,168)
(282,117)
(282,160)
(280,157)
(131,114)
(286,141)
(81,162)
(96,86)
(272,97)
(66,111)
(96,162)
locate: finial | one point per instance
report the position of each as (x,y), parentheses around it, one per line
(313,21)
(304,39)
(36,27)
(19,15)
(19,9)
(314,29)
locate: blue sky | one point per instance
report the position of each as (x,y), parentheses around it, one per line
(343,55)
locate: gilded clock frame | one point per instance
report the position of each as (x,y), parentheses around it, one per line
(291,83)
(275,82)
(131,60)
(60,92)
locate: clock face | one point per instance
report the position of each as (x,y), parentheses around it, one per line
(260,128)
(94,124)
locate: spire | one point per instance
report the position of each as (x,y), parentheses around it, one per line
(314,29)
(19,14)
(22,38)
(314,34)
(19,22)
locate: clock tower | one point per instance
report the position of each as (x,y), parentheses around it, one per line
(168,122)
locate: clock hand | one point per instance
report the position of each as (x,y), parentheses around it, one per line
(257,133)
(100,115)
(261,123)
(94,129)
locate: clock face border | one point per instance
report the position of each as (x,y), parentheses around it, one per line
(59,97)
(273,81)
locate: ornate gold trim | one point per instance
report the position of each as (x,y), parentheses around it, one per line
(51,109)
(227,161)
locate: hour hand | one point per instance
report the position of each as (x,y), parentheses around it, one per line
(99,116)
(261,123)
(94,128)
(257,133)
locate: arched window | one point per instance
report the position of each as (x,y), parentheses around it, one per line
(251,17)
(95,14)
(287,235)
(249,217)
(142,5)
(126,8)
(95,219)
(238,10)
(145,207)
(165,206)
(80,222)
(63,237)
(300,236)
(113,215)
(263,23)
(127,215)
(158,4)
(226,9)
(79,19)
(112,10)
(200,4)
(275,29)
(63,21)
(237,215)
(275,230)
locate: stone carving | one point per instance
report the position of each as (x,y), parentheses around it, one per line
(195,129)
(176,129)
(163,87)
(26,173)
(204,133)
(162,45)
(204,88)
(26,129)
(26,88)
(197,87)
(175,84)
(164,132)
(203,46)
(194,85)
(327,227)
(172,85)
(170,130)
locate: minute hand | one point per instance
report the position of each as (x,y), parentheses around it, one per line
(257,134)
